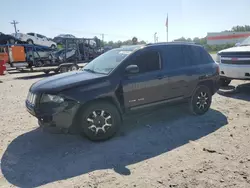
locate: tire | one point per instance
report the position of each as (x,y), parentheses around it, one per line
(29,41)
(73,68)
(63,69)
(53,46)
(56,71)
(46,71)
(224,82)
(103,113)
(200,101)
(39,64)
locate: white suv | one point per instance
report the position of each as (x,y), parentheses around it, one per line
(235,63)
(34,38)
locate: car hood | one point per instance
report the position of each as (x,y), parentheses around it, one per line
(57,83)
(236,49)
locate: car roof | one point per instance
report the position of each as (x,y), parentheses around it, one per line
(155,45)
(174,43)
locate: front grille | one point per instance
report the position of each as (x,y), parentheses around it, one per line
(241,62)
(235,54)
(31,98)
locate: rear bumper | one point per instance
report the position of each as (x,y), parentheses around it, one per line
(241,72)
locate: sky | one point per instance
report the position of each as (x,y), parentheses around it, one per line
(122,20)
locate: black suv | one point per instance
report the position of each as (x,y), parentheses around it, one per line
(94,99)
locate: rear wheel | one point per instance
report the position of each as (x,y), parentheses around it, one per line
(224,82)
(73,68)
(201,100)
(29,41)
(53,46)
(100,121)
(63,69)
(46,71)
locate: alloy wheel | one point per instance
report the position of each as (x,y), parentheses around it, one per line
(202,101)
(99,121)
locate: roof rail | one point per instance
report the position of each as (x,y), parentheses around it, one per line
(173,42)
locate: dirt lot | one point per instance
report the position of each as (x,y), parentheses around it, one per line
(165,148)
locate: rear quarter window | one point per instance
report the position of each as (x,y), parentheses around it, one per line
(206,57)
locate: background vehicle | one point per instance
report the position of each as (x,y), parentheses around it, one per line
(123,80)
(235,63)
(34,38)
(66,36)
(27,55)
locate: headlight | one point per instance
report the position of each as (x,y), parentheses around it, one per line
(51,98)
(218,58)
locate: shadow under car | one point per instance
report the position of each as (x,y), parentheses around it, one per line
(37,158)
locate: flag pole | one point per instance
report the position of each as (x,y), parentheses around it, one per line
(167,28)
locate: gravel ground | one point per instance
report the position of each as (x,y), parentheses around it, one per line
(164,148)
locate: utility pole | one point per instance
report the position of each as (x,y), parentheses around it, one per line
(14,23)
(155,38)
(102,39)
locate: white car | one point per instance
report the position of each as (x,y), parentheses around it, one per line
(234,63)
(34,38)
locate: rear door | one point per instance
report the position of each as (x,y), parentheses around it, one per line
(199,65)
(176,70)
(146,86)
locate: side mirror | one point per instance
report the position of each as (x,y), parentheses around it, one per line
(132,69)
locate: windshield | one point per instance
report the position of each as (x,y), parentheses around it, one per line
(246,42)
(108,61)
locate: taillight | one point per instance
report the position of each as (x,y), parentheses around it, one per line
(217,69)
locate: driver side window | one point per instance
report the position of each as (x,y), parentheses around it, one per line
(147,61)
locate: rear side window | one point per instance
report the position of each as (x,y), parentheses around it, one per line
(39,36)
(173,56)
(196,55)
(192,55)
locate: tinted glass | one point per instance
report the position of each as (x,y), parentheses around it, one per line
(147,61)
(196,55)
(173,56)
(32,34)
(192,55)
(40,36)
(206,57)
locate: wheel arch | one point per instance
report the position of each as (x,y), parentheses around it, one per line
(207,83)
(108,99)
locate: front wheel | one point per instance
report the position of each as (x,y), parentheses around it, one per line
(100,121)
(29,41)
(201,100)
(53,46)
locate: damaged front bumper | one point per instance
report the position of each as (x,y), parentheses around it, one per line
(54,117)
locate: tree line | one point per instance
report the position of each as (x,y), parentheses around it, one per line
(201,41)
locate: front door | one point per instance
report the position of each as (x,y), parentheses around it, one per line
(146,86)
